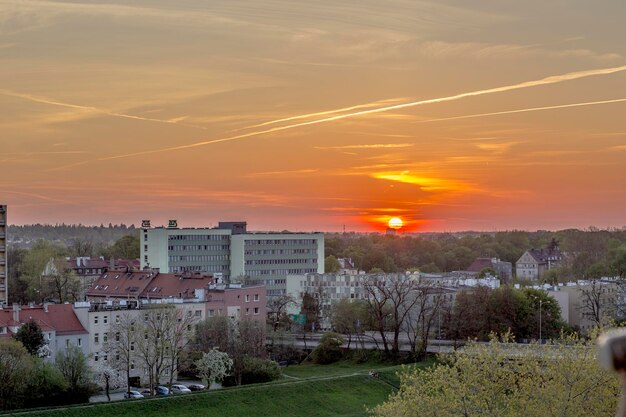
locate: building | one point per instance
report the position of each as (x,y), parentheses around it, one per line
(231,252)
(4,265)
(535,262)
(59,323)
(203,293)
(504,270)
(88,270)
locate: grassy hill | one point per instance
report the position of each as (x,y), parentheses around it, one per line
(308,394)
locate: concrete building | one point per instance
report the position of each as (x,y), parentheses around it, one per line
(59,324)
(4,271)
(231,252)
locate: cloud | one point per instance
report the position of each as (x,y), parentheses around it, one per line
(372,146)
(280,173)
(527,84)
(424,183)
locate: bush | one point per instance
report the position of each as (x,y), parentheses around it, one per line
(365,356)
(329,349)
(255,371)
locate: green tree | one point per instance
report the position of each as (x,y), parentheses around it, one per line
(349,317)
(72,364)
(331,265)
(329,349)
(15,369)
(126,247)
(31,336)
(507,379)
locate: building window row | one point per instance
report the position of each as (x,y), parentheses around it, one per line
(281,252)
(281,272)
(198,237)
(199,268)
(186,248)
(280,261)
(199,258)
(288,242)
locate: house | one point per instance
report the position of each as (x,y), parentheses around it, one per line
(59,323)
(535,262)
(504,270)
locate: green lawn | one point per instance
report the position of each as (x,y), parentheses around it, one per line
(308,390)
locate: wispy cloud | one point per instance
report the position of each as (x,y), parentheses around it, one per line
(527,84)
(530,109)
(370,146)
(281,173)
(423,182)
(95,110)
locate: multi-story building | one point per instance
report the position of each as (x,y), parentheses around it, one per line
(230,251)
(4,272)
(504,270)
(59,324)
(535,262)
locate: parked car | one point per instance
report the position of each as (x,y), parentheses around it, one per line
(133,394)
(196,387)
(145,392)
(161,390)
(180,389)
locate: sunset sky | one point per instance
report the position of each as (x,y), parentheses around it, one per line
(312,115)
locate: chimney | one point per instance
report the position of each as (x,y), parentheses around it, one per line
(45,307)
(111,264)
(16,312)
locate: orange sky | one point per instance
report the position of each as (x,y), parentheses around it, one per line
(314,115)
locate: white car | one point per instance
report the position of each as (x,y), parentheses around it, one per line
(180,389)
(133,394)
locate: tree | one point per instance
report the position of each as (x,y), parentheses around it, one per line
(106,377)
(61,282)
(15,368)
(126,247)
(152,344)
(311,310)
(179,324)
(390,299)
(213,366)
(331,265)
(277,309)
(46,386)
(121,344)
(73,366)
(349,317)
(329,349)
(506,379)
(593,303)
(31,336)
(430,300)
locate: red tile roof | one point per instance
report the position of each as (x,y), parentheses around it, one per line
(59,317)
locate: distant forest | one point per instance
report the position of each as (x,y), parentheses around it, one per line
(25,236)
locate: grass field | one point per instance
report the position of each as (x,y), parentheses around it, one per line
(341,389)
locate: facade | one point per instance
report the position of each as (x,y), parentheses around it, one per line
(230,252)
(88,270)
(504,270)
(59,323)
(535,262)
(4,272)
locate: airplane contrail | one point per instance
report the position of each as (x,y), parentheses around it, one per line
(44,100)
(526,84)
(530,109)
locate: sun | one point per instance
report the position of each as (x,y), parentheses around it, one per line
(395,223)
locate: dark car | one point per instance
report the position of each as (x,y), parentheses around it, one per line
(196,387)
(161,390)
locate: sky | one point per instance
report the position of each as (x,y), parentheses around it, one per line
(327,115)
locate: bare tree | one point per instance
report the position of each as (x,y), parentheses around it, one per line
(277,308)
(596,303)
(152,344)
(391,298)
(179,325)
(121,344)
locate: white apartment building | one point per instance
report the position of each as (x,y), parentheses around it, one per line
(233,253)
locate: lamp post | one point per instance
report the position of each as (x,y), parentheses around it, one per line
(540,302)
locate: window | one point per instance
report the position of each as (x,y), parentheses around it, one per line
(117,336)
(95,357)
(105,319)
(247,298)
(256,297)
(95,319)
(247,311)
(117,319)
(256,311)
(96,338)
(198,313)
(67,342)
(79,342)
(132,346)
(105,338)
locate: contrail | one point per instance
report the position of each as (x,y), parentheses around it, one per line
(558,106)
(527,84)
(322,113)
(43,100)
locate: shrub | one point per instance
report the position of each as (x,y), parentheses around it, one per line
(329,349)
(255,370)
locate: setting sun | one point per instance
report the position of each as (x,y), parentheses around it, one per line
(396,223)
